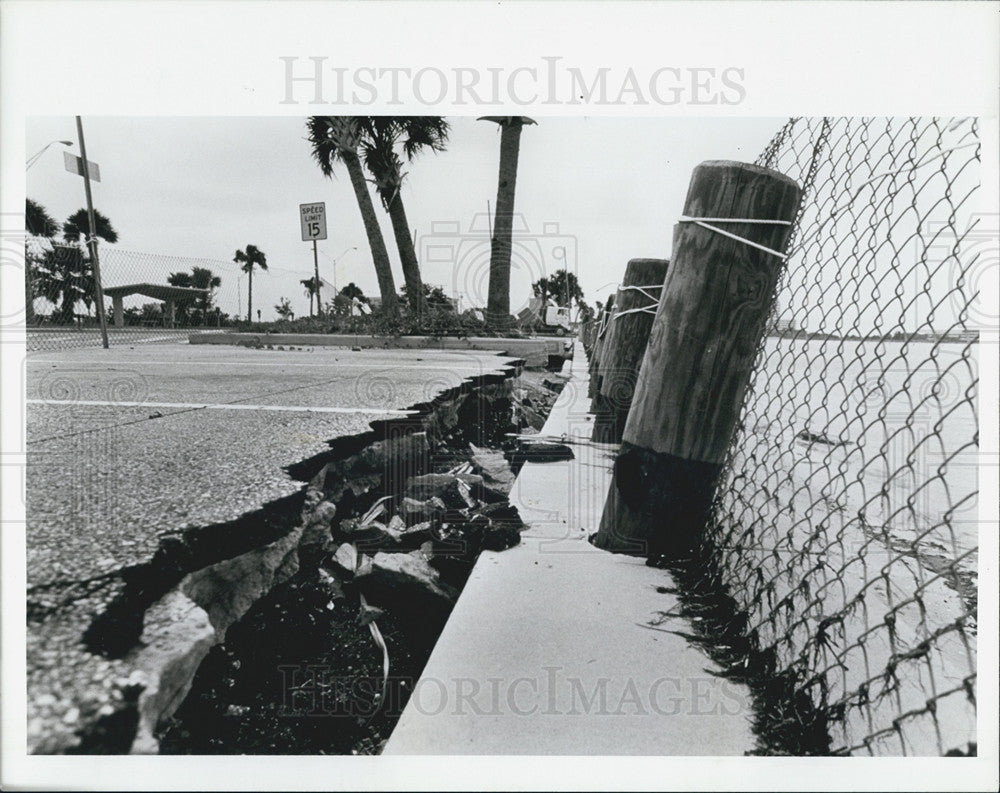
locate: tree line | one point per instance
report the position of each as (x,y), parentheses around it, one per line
(372,150)
(62,273)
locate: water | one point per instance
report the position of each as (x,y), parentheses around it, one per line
(852,502)
(884,431)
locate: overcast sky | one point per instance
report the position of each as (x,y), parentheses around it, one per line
(600,190)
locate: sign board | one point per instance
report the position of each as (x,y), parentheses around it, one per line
(313,219)
(74,164)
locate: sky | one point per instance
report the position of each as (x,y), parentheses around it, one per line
(593,193)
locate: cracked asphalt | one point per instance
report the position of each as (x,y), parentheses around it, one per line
(127,445)
(104,481)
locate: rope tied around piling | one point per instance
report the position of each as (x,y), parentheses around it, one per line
(605,321)
(704,223)
(648,309)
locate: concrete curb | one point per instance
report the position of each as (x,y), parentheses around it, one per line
(558,648)
(536,352)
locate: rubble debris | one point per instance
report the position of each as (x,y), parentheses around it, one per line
(414,511)
(407,585)
(541,452)
(494,469)
(398,524)
(345,560)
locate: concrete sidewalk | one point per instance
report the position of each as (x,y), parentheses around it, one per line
(558,648)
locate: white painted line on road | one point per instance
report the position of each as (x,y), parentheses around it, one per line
(340,364)
(208,406)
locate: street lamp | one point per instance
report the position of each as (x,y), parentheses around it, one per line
(336,259)
(35,157)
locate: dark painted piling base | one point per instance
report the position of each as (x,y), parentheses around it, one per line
(657,505)
(609,424)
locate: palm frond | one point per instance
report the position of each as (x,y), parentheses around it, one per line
(38,221)
(78,224)
(423,132)
(330,137)
(251,257)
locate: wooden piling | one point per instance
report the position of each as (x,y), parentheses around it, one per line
(587,336)
(624,346)
(716,301)
(595,359)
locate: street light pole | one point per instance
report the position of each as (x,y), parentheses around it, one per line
(92,236)
(37,156)
(334,261)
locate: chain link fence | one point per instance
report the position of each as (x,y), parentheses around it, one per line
(845,524)
(149,297)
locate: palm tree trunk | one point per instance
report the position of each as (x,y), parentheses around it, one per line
(407,255)
(498,304)
(29,293)
(250,294)
(380,256)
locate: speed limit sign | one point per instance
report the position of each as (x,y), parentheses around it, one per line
(313,219)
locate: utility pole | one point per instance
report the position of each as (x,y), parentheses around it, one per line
(92,236)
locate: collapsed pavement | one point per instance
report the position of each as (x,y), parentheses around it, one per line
(326,662)
(150,625)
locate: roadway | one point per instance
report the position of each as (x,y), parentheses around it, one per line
(125,444)
(129,446)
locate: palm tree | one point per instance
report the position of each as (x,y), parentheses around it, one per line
(563,285)
(498,301)
(380,137)
(336,139)
(198,278)
(63,276)
(312,288)
(37,220)
(248,258)
(203,278)
(352,290)
(38,223)
(78,225)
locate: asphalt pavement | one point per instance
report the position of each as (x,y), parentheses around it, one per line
(125,444)
(128,447)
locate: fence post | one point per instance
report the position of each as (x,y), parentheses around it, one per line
(712,316)
(624,345)
(598,349)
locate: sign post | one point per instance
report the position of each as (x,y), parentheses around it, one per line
(313,220)
(85,171)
